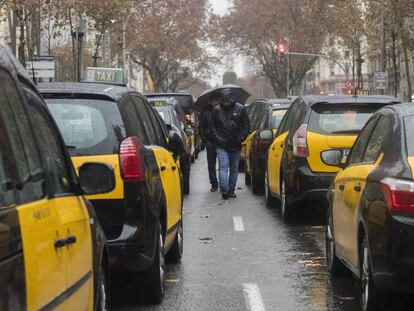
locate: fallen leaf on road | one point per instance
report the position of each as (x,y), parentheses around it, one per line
(172,280)
(206,238)
(209,242)
(239,188)
(206,216)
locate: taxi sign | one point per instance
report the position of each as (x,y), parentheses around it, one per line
(361,92)
(105,75)
(159,103)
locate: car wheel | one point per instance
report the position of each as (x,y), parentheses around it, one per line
(270,200)
(175,254)
(186,184)
(156,273)
(368,294)
(247,180)
(103,292)
(241,165)
(256,182)
(193,158)
(335,266)
(285,207)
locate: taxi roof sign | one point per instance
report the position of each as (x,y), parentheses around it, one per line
(105,75)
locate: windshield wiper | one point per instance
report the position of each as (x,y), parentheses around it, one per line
(352,131)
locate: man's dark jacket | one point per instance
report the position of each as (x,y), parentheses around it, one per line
(230,126)
(205,125)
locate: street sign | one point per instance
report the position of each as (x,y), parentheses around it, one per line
(380,80)
(41,67)
(349,84)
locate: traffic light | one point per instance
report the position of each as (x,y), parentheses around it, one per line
(282,49)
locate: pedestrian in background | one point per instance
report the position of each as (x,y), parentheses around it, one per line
(230,126)
(208,138)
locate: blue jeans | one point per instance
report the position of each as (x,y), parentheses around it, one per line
(228,169)
(211,161)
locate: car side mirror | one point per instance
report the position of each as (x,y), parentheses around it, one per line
(176,143)
(334,157)
(96,178)
(266,135)
(189,131)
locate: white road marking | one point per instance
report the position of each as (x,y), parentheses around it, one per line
(238,223)
(253,297)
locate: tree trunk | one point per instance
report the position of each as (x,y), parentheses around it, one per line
(98,44)
(22,43)
(11,17)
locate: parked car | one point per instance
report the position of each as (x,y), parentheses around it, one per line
(370,226)
(168,111)
(255,113)
(255,164)
(142,216)
(190,118)
(297,167)
(53,250)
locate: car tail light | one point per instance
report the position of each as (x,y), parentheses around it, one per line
(300,146)
(132,168)
(399,195)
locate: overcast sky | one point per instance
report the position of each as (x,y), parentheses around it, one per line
(221,7)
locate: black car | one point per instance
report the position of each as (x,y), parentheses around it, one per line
(255,163)
(169,112)
(142,216)
(370,227)
(190,117)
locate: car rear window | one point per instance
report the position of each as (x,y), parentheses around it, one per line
(88,126)
(340,119)
(277,116)
(168,115)
(409,134)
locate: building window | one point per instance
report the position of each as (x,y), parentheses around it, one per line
(331,70)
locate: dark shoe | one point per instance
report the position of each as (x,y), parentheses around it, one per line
(232,195)
(225,196)
(214,188)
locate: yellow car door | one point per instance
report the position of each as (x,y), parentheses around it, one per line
(248,149)
(365,157)
(274,162)
(74,240)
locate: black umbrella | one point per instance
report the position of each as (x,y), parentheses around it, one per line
(239,95)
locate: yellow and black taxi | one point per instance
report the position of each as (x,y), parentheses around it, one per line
(190,117)
(297,167)
(52,249)
(169,110)
(142,216)
(370,222)
(258,145)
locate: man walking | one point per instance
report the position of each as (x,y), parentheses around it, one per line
(208,138)
(230,126)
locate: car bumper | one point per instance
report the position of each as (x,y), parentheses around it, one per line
(306,184)
(393,256)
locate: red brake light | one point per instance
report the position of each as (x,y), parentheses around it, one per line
(132,168)
(399,195)
(300,146)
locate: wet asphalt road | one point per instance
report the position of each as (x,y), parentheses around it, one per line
(268,266)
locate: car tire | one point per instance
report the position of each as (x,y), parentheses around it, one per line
(175,254)
(186,183)
(247,180)
(241,166)
(335,266)
(270,200)
(256,182)
(369,296)
(155,275)
(103,291)
(193,158)
(286,208)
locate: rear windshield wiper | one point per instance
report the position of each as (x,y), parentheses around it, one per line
(354,131)
(71,147)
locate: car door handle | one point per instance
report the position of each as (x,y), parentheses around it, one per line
(173,167)
(273,148)
(357,188)
(281,145)
(59,243)
(342,187)
(163,168)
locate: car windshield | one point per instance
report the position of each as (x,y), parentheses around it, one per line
(88,126)
(340,119)
(409,134)
(277,116)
